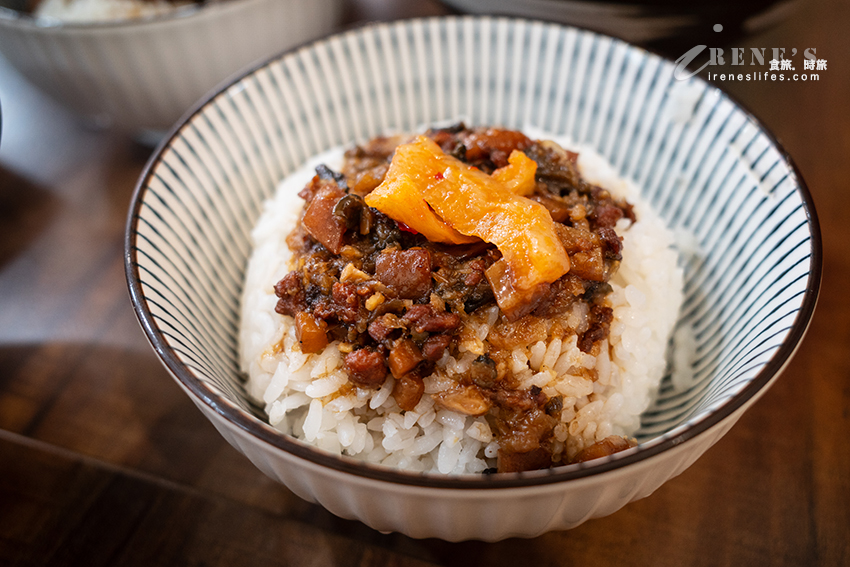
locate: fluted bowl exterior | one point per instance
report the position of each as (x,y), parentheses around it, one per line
(143,75)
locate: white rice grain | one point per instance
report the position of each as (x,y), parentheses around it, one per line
(383,394)
(536,354)
(321,387)
(480,431)
(449,452)
(313,421)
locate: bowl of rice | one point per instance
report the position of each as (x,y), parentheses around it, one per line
(138,65)
(472,277)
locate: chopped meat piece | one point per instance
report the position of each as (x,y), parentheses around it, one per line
(347,302)
(468,400)
(511,334)
(435,345)
(321,223)
(533,460)
(324,309)
(406,272)
(515,400)
(576,239)
(602,314)
(599,328)
(366,165)
(475,275)
(561,296)
(521,421)
(408,390)
(613,243)
(608,215)
(425,319)
(522,431)
(514,302)
(381,328)
(291,296)
(311,332)
(608,446)
(558,208)
(588,265)
(366,367)
(404,357)
(325,177)
(483,144)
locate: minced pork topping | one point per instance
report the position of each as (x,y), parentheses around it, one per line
(407,248)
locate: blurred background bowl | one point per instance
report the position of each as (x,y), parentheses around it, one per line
(708,167)
(669,25)
(140,75)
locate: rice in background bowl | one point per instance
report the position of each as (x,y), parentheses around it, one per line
(713,172)
(105,10)
(142,74)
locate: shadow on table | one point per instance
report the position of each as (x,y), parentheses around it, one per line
(25,210)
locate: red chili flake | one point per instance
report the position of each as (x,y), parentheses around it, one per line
(438,175)
(406,228)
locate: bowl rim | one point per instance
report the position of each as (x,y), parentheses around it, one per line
(10,16)
(263,432)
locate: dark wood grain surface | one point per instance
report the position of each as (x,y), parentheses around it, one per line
(104,461)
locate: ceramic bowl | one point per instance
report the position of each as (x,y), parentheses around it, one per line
(142,74)
(707,166)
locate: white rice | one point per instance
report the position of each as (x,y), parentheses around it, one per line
(309,396)
(103,10)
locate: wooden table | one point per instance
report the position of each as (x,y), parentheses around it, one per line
(104,461)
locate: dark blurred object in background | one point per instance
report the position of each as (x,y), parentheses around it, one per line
(669,26)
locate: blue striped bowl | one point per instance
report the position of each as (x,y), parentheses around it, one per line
(707,166)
